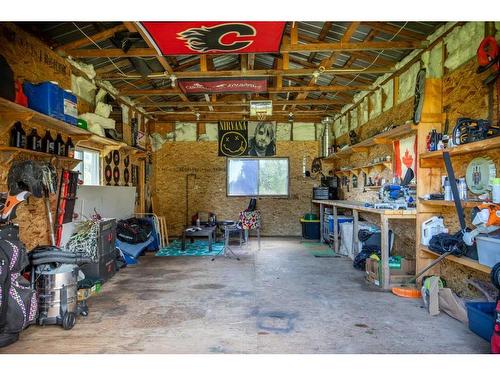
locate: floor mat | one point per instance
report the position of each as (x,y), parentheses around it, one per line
(322,251)
(195,249)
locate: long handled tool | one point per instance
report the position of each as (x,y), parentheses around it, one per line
(408,290)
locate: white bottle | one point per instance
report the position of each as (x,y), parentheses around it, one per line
(448,196)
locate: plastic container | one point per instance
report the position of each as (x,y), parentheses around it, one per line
(495,190)
(45,97)
(340,219)
(70,107)
(310,216)
(431,227)
(481,317)
(310,229)
(488,249)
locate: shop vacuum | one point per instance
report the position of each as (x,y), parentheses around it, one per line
(55,276)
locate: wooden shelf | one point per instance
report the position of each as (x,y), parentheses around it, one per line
(382,138)
(12,152)
(11,112)
(467,262)
(443,203)
(430,159)
(379,167)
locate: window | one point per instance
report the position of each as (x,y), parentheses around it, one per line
(257,177)
(89,167)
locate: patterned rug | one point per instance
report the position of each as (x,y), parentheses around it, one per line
(196,249)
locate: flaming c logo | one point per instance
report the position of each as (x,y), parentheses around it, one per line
(210,39)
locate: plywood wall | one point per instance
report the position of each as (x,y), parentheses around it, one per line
(404,244)
(30,60)
(194,168)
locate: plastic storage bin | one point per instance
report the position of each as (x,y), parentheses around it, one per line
(310,229)
(481,317)
(70,107)
(45,97)
(340,219)
(488,249)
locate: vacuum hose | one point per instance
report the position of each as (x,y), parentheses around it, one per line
(52,254)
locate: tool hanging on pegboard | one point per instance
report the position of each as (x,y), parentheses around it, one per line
(66,200)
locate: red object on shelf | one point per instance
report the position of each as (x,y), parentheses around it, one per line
(20,99)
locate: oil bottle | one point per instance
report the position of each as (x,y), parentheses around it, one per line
(18,136)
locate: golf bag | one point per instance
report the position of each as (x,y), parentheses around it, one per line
(18,301)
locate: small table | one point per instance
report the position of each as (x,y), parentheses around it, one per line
(206,231)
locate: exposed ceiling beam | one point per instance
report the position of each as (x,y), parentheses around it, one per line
(322,35)
(392,30)
(271,90)
(113,67)
(163,61)
(216,116)
(112,52)
(245,104)
(254,73)
(312,47)
(353,46)
(365,56)
(351,29)
(103,35)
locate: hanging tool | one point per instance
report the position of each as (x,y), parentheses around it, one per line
(408,290)
(49,188)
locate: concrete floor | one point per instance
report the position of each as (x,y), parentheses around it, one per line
(280,299)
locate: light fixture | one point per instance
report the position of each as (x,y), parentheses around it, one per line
(290,117)
(197,116)
(317,73)
(173,78)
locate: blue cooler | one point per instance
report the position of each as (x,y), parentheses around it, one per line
(70,107)
(45,97)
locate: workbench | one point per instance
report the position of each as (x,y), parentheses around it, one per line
(356,207)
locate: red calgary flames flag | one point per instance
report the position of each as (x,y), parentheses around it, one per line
(188,38)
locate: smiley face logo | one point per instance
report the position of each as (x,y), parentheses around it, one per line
(233,144)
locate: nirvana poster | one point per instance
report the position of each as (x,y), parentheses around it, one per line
(242,138)
(233,138)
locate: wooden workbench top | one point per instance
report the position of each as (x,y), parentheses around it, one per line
(360,206)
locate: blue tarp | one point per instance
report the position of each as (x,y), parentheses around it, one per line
(134,250)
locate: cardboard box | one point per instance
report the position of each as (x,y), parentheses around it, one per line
(400,271)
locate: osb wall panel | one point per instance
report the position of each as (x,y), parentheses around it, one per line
(404,241)
(465,94)
(32,60)
(195,167)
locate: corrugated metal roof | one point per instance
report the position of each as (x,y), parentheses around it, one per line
(61,33)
